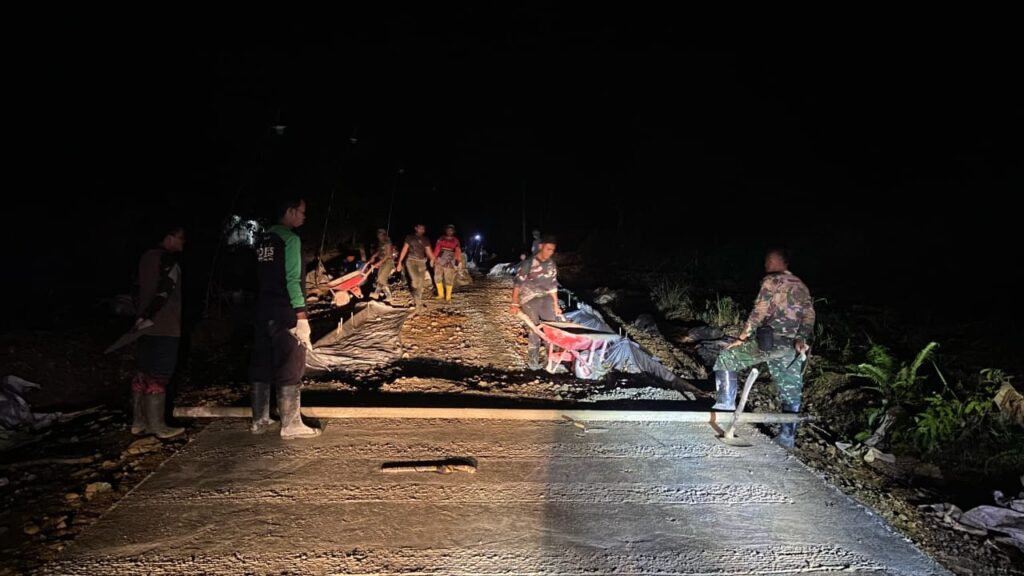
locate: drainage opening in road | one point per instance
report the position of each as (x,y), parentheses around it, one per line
(449,466)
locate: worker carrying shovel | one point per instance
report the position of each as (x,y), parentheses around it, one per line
(535,294)
(781,323)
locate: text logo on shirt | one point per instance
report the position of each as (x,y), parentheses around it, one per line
(265,254)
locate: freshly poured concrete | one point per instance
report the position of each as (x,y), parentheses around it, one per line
(635,498)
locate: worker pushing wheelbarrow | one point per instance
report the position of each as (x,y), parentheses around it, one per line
(583,347)
(592,352)
(535,296)
(535,302)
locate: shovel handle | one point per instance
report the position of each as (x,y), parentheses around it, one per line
(743,402)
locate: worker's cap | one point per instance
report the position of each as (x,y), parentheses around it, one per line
(450,227)
(548,239)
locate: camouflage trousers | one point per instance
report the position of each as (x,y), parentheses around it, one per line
(383,274)
(786,369)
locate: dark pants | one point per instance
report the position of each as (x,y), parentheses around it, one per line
(539,309)
(277,357)
(156,357)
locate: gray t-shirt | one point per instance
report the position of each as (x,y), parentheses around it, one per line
(418,246)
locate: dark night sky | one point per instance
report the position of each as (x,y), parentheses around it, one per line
(895,163)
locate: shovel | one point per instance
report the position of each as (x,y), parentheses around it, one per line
(128,337)
(730,435)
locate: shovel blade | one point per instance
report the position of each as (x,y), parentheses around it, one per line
(735,441)
(126,339)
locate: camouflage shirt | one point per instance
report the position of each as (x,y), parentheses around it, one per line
(385,251)
(536,278)
(785,304)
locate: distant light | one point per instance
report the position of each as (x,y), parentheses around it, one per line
(477,237)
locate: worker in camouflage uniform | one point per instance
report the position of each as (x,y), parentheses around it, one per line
(384,260)
(784,309)
(535,294)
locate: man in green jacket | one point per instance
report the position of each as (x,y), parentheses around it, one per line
(282,327)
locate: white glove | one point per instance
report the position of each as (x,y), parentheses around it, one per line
(302,333)
(142,324)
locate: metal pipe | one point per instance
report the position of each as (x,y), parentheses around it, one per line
(497,414)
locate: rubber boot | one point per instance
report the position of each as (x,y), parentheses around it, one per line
(154,408)
(291,416)
(448,293)
(787,432)
(138,414)
(726,384)
(440,291)
(261,421)
(534,358)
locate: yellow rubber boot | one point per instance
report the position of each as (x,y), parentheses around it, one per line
(440,291)
(448,293)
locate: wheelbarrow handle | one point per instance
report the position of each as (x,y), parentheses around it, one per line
(529,323)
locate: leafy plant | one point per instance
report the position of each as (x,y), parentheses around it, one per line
(832,332)
(673,300)
(896,382)
(991,379)
(946,418)
(898,385)
(722,312)
(930,421)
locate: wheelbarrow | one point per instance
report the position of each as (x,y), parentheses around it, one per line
(581,346)
(344,287)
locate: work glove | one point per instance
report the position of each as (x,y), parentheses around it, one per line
(302,333)
(142,324)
